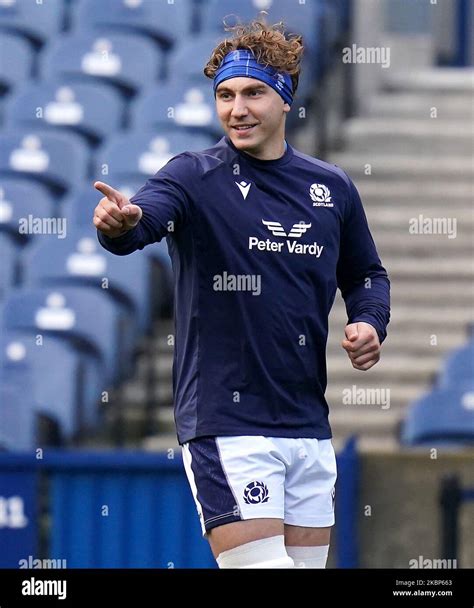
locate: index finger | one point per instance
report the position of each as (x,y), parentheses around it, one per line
(108,191)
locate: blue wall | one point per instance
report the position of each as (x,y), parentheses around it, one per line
(126,510)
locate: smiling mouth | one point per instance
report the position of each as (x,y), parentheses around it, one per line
(244,127)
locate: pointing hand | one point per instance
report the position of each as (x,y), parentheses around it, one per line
(115,215)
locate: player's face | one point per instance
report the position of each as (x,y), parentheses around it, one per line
(253,116)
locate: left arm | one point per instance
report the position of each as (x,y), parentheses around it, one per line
(364,285)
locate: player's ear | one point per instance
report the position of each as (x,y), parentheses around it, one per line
(286,107)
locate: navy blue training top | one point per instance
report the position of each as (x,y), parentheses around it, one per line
(258,249)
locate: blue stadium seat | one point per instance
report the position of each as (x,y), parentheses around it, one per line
(79,211)
(89,320)
(56,374)
(188,59)
(16,60)
(18,422)
(164,21)
(444,416)
(19,200)
(36,20)
(78,206)
(9,255)
(126,61)
(138,155)
(458,369)
(187,105)
(91,109)
(59,160)
(305,18)
(80,260)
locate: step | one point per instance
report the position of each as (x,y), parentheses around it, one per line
(442,81)
(422,245)
(420,106)
(166,443)
(400,394)
(431,314)
(380,444)
(409,136)
(388,194)
(417,341)
(438,168)
(400,219)
(365,429)
(425,268)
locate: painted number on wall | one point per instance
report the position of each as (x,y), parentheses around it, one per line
(12,512)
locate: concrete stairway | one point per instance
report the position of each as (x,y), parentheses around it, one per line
(408,164)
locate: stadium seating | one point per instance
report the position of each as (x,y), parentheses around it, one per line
(91,109)
(59,160)
(188,59)
(311,19)
(20,199)
(78,209)
(78,206)
(18,422)
(87,319)
(9,252)
(138,155)
(444,416)
(166,22)
(179,104)
(38,21)
(126,61)
(16,60)
(458,369)
(80,260)
(56,378)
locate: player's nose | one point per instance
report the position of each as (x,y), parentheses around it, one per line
(239,107)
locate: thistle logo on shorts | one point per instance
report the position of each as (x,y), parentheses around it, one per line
(255,492)
(321,195)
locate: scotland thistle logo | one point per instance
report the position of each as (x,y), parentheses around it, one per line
(321,195)
(255,493)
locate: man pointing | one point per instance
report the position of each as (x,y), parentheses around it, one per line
(115,214)
(249,372)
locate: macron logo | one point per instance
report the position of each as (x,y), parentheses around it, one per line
(244,187)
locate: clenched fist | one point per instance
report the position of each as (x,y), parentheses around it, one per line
(115,214)
(362,345)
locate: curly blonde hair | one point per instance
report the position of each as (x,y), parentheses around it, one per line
(268,43)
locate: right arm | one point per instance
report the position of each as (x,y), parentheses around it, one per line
(157,209)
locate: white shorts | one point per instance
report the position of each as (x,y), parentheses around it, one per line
(248,477)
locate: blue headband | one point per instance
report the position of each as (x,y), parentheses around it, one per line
(243,63)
